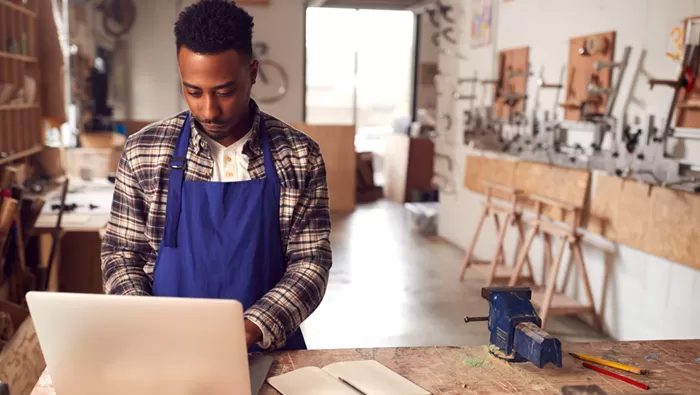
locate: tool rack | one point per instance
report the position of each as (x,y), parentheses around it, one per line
(21,132)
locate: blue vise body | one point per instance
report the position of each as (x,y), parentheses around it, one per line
(516,328)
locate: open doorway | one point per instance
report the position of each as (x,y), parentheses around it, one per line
(359,70)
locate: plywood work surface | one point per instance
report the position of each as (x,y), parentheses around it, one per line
(472,370)
(656,220)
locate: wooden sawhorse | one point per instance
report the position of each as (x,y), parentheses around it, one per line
(547,301)
(497,271)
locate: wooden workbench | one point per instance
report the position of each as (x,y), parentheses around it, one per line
(472,370)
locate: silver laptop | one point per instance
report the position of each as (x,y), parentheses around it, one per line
(105,344)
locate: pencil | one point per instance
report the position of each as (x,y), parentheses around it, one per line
(609,364)
(617,376)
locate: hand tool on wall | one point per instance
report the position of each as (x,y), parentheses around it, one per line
(612,92)
(686,80)
(516,332)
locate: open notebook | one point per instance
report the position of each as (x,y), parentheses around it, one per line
(361,377)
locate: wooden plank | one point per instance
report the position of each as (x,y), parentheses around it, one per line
(337,143)
(474,370)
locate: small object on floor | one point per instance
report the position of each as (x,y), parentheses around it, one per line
(615,375)
(609,364)
(652,357)
(516,332)
(582,390)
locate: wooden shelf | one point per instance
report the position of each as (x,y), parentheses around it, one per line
(21,155)
(14,56)
(11,107)
(19,8)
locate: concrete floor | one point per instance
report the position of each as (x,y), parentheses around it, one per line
(391,287)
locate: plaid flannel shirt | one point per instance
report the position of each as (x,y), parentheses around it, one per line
(137,219)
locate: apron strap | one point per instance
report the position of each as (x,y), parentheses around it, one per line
(176,179)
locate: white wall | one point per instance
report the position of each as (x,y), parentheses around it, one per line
(647,297)
(154,76)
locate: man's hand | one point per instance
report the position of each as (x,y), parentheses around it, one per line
(253,334)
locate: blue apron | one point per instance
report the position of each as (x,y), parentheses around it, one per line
(222,239)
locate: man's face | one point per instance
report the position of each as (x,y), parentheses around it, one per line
(217,89)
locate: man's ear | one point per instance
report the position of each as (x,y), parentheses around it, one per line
(254,71)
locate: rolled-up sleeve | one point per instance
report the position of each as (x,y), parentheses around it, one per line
(125,249)
(281,311)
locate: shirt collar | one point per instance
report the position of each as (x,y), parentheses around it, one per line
(253,143)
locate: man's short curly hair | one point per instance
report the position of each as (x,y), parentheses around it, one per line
(214,26)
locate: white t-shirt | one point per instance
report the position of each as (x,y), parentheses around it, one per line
(230,164)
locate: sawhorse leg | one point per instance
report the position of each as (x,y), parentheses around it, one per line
(472,244)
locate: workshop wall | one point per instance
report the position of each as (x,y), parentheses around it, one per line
(641,296)
(154,82)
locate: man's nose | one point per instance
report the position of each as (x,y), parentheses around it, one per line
(211,109)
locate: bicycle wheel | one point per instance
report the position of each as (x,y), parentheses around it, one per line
(272,83)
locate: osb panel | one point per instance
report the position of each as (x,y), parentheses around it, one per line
(632,218)
(601,219)
(516,59)
(481,169)
(564,184)
(674,216)
(581,71)
(659,221)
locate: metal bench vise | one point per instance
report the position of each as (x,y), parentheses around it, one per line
(516,332)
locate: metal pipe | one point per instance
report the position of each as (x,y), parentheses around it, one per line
(618,83)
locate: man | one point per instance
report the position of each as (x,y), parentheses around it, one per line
(223,200)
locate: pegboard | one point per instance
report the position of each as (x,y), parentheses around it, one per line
(511,61)
(584,52)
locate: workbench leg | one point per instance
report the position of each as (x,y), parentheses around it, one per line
(499,250)
(500,254)
(551,283)
(472,244)
(521,257)
(578,255)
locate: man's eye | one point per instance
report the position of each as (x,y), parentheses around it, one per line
(225,93)
(194,94)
